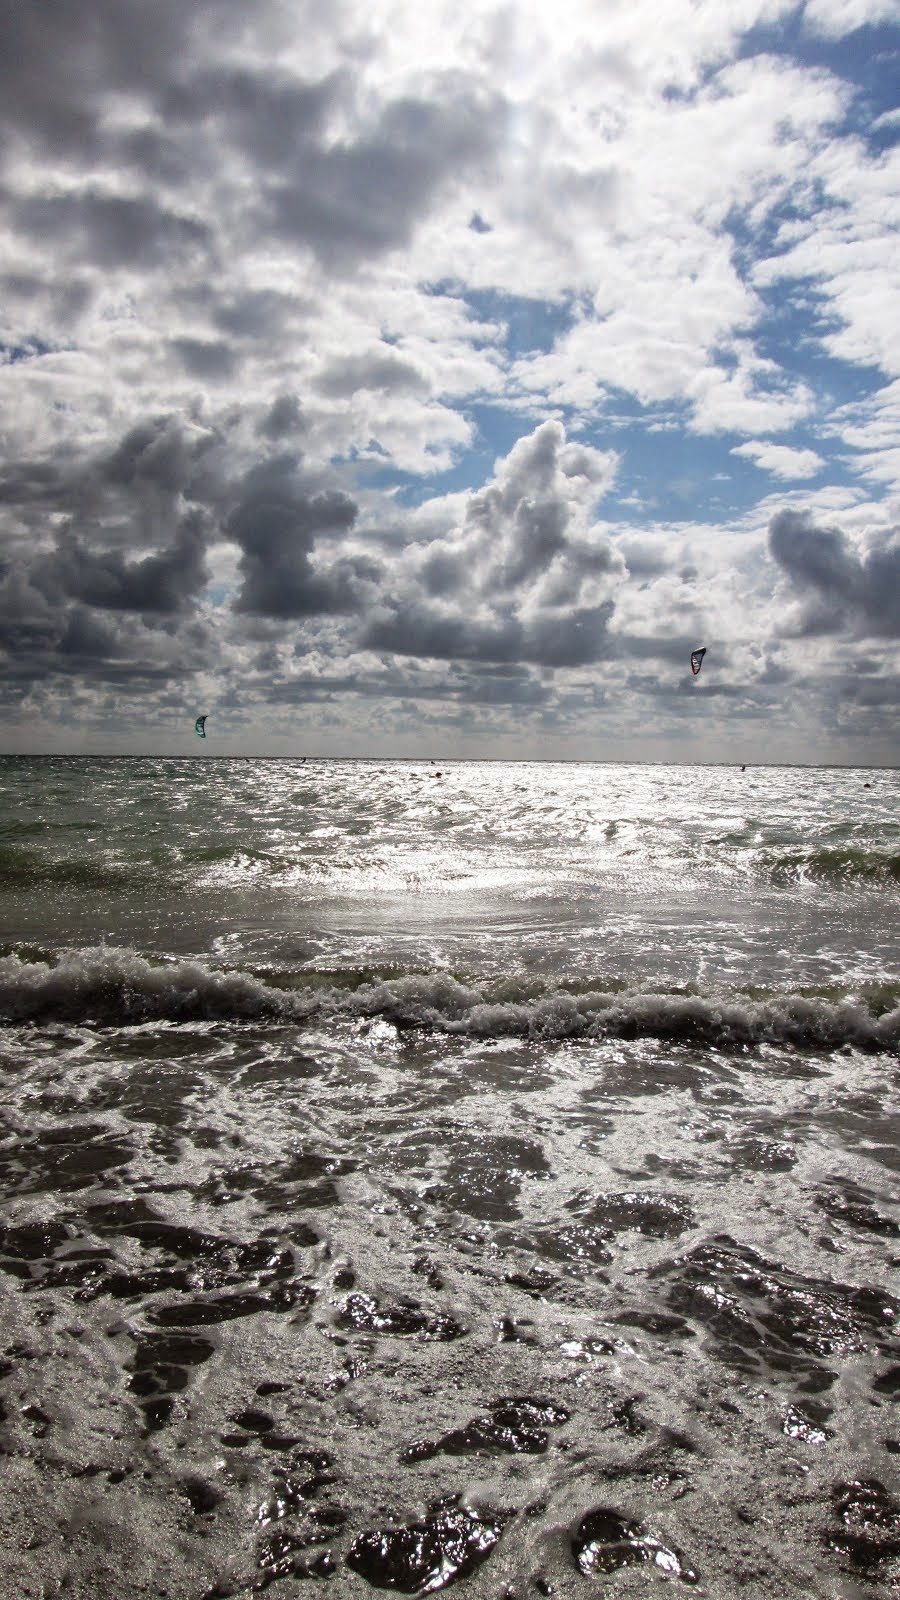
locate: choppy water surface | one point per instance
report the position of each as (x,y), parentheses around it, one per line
(477,1174)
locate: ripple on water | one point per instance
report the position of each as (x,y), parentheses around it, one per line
(606,1541)
(363,1313)
(868,1518)
(845,1202)
(514,1427)
(63,1158)
(425,1556)
(225,1308)
(577,1244)
(161,1365)
(808,1423)
(762,1315)
(658,1216)
(762,1155)
(483,1176)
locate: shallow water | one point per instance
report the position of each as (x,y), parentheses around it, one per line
(507,1200)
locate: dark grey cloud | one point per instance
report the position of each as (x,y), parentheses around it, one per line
(24,483)
(42,299)
(253,314)
(283,419)
(377,370)
(570,639)
(644,558)
(673,647)
(842,588)
(112,230)
(678,693)
(524,515)
(277,523)
(883,690)
(516,687)
(205,358)
(551,640)
(520,581)
(56,57)
(105,557)
(350,201)
(444,572)
(345,199)
(165,582)
(126,493)
(270,117)
(499,596)
(28,626)
(55,639)
(580,560)
(412,629)
(89,638)
(132,524)
(164,154)
(161,452)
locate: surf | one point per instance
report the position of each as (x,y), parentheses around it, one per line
(119,987)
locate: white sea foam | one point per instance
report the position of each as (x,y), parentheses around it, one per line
(117,987)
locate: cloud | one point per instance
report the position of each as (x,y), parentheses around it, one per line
(524,520)
(524,576)
(834,18)
(106,558)
(871,427)
(164,583)
(378,369)
(205,358)
(112,230)
(283,418)
(346,358)
(836,244)
(781,460)
(854,589)
(277,523)
(345,196)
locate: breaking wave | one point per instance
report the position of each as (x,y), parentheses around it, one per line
(835,866)
(113,987)
(165,867)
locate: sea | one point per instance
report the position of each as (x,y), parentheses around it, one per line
(428,1173)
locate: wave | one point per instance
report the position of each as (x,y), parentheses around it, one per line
(162,868)
(230,863)
(22,868)
(113,987)
(833,865)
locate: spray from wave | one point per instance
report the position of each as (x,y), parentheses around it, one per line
(113,987)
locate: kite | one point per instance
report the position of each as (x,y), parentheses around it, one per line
(200,727)
(697,660)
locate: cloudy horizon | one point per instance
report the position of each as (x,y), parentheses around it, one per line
(407,381)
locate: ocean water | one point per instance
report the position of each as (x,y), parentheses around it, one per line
(472,1174)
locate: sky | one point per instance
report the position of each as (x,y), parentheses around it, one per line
(429,380)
